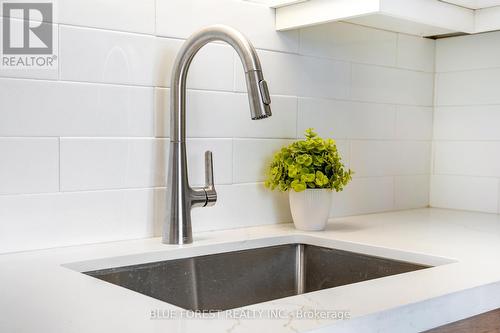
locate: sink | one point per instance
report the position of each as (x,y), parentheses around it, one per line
(229,280)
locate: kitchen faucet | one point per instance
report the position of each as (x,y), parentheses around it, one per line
(181,197)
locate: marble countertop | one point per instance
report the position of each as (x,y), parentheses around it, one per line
(45,291)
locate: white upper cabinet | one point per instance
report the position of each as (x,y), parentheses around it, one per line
(475,4)
(415,17)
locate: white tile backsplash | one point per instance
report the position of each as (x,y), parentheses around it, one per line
(97,164)
(474,122)
(364,195)
(122,15)
(252,156)
(416,53)
(92,55)
(468,87)
(222,150)
(30,222)
(227,114)
(468,52)
(56,108)
(345,119)
(346,41)
(234,211)
(281,71)
(254,20)
(411,191)
(29,165)
(324,78)
(467,193)
(414,122)
(391,85)
(85,146)
(289,74)
(467,123)
(470,158)
(385,158)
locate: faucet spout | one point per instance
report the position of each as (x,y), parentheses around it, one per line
(181,197)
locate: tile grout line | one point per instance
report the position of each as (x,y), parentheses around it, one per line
(156,17)
(297,106)
(498,196)
(393,192)
(433,133)
(218,91)
(59,53)
(59,171)
(233,161)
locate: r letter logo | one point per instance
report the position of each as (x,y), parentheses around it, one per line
(35,25)
(28,35)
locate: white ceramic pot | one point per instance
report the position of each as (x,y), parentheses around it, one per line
(310,208)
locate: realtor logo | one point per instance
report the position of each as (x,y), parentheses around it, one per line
(29,37)
(27,28)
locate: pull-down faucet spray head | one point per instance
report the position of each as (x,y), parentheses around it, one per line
(258,95)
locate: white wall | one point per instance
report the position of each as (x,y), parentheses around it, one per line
(83,147)
(466,168)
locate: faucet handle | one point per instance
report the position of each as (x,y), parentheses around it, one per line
(209,179)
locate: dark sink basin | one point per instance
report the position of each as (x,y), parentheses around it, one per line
(228,280)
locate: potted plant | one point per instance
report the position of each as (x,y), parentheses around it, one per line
(309,169)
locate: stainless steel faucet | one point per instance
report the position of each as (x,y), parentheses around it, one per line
(180,196)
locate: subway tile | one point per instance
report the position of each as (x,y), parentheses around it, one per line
(390,85)
(349,42)
(282,123)
(29,165)
(171,21)
(123,15)
(363,196)
(92,55)
(51,108)
(414,122)
(103,216)
(226,114)
(468,88)
(242,205)
(29,222)
(465,193)
(94,164)
(411,191)
(324,78)
(281,71)
(384,158)
(416,53)
(212,68)
(251,158)
(343,119)
(222,150)
(290,74)
(498,204)
(468,52)
(467,158)
(329,118)
(479,122)
(51,72)
(344,148)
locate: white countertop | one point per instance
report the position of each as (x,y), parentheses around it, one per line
(44,291)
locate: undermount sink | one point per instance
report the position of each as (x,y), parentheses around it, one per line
(229,280)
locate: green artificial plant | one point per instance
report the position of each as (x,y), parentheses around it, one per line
(310,163)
